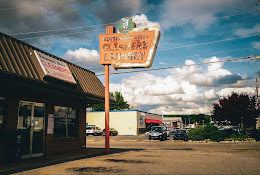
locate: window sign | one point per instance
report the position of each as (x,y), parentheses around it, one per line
(50,123)
(65,122)
(54,68)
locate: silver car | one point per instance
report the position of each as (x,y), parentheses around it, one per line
(158,132)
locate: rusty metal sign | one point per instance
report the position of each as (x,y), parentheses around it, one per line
(135,49)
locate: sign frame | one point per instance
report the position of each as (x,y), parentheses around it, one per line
(54,68)
(135,49)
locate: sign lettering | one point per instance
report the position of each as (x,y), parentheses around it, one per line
(54,68)
(134,49)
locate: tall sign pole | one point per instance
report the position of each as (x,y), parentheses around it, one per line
(109,30)
(129,48)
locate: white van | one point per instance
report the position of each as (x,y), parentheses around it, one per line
(93,130)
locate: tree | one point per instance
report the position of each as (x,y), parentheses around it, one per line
(200,119)
(239,109)
(119,103)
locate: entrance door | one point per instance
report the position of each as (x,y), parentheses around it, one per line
(31,128)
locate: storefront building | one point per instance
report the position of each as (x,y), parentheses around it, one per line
(173,122)
(126,122)
(43,102)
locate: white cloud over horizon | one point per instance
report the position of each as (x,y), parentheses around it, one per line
(187,90)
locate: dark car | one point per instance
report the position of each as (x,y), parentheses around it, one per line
(180,135)
(170,131)
(112,132)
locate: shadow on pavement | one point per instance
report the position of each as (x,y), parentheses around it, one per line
(34,163)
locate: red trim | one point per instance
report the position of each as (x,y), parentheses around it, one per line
(152,121)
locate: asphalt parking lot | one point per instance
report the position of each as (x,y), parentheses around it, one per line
(138,155)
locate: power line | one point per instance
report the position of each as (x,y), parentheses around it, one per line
(162,68)
(197,55)
(209,11)
(228,39)
(93,67)
(73,28)
(54,30)
(61,34)
(157,79)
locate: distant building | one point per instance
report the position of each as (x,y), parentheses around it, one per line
(126,122)
(174,122)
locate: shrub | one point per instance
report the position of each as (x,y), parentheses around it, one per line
(196,134)
(217,136)
(238,136)
(255,133)
(207,131)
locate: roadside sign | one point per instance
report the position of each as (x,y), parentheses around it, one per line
(130,48)
(133,48)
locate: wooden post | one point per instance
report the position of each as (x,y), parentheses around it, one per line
(109,30)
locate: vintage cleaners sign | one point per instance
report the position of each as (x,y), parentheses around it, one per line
(132,48)
(54,68)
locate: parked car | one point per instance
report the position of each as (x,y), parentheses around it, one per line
(158,132)
(180,135)
(112,132)
(170,131)
(93,130)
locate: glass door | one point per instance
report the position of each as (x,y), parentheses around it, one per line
(31,129)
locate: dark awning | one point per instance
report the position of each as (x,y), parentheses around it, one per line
(152,121)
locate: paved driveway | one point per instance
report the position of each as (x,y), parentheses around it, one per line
(141,156)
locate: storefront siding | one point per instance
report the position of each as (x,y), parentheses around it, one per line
(67,145)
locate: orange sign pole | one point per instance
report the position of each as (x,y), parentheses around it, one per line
(109,30)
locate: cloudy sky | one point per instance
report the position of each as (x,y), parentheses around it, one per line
(194,32)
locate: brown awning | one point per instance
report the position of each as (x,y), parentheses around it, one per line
(17,59)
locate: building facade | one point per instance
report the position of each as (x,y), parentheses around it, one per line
(126,122)
(173,122)
(42,101)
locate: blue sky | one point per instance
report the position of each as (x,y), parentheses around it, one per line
(193,32)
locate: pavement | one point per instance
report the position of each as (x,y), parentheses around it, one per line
(40,162)
(138,155)
(89,152)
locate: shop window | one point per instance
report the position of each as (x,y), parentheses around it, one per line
(65,122)
(2,112)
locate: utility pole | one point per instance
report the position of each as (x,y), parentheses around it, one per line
(256,89)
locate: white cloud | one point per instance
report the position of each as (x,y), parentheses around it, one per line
(85,57)
(211,94)
(248,31)
(141,21)
(228,91)
(185,91)
(167,110)
(215,69)
(256,45)
(82,54)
